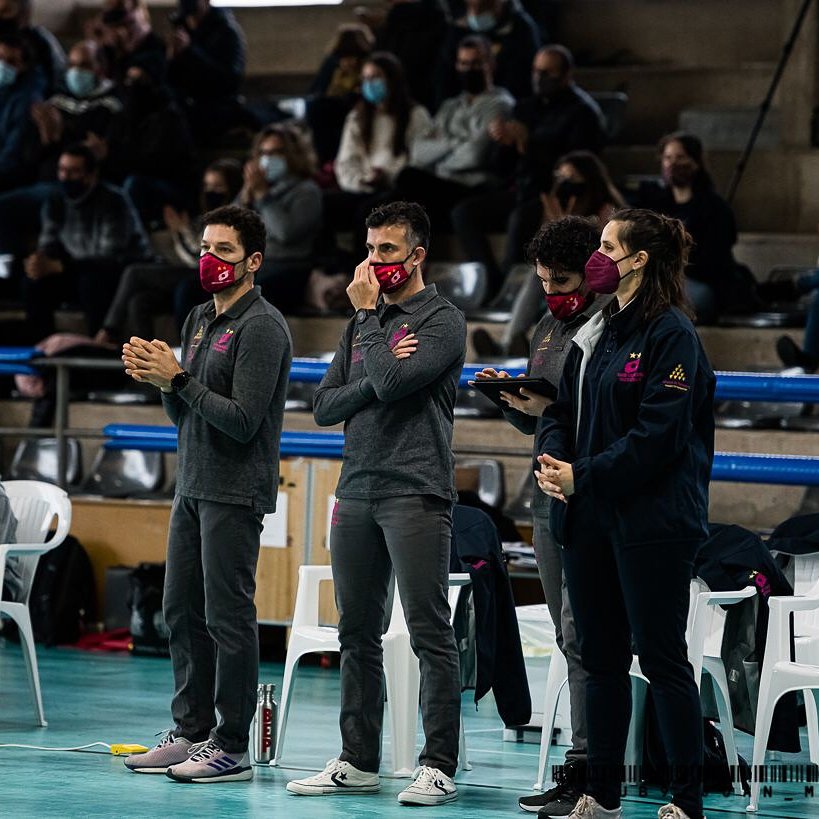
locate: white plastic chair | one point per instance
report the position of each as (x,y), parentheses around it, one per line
(781,675)
(400,665)
(35,505)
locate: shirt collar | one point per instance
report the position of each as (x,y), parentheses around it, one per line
(413,303)
(237,308)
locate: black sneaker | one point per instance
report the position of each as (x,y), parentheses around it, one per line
(560,800)
(485,346)
(791,355)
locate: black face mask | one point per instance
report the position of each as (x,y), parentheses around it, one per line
(472,81)
(544,85)
(567,189)
(214,199)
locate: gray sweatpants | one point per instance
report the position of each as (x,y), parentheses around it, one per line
(369,539)
(210,583)
(550,567)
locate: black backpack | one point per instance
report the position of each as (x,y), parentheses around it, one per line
(148,629)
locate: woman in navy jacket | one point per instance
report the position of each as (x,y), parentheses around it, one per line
(626,455)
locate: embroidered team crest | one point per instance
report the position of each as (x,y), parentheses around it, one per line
(221,343)
(631,372)
(400,333)
(676,379)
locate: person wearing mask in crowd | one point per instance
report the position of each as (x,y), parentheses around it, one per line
(558,118)
(227,400)
(47,55)
(582,187)
(149,147)
(85,108)
(559,253)
(337,88)
(625,454)
(452,160)
(514,38)
(148,290)
(279,186)
(19,91)
(90,233)
(123,28)
(687,193)
(415,30)
(206,65)
(393,382)
(378,136)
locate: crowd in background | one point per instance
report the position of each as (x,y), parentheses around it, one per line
(464,106)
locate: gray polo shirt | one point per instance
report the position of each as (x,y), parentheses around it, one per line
(397,415)
(230,413)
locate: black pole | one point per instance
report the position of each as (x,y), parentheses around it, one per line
(766,103)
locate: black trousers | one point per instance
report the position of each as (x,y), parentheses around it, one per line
(641,590)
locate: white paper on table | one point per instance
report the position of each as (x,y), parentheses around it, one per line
(331,503)
(274,531)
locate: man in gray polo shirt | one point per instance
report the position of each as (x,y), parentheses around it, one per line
(228,404)
(393,382)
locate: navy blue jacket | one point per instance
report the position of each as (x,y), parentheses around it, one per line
(634,416)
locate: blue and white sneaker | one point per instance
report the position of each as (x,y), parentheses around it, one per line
(431,787)
(209,763)
(337,778)
(169,751)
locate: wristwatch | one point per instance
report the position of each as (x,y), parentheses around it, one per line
(363,314)
(180,380)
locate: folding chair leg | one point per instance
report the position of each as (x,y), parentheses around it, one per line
(19,613)
(557,678)
(291,665)
(726,724)
(811,708)
(463,760)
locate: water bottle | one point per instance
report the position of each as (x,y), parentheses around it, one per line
(264,724)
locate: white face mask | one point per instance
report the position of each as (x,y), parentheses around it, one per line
(273,166)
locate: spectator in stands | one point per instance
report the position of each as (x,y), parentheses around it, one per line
(278,185)
(378,136)
(626,456)
(582,187)
(90,233)
(46,52)
(687,193)
(559,252)
(149,147)
(124,29)
(148,290)
(452,160)
(415,30)
(514,37)
(558,118)
(206,65)
(19,91)
(336,88)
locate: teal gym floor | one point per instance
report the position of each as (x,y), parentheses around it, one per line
(113,698)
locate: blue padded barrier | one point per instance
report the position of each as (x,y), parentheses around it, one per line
(789,470)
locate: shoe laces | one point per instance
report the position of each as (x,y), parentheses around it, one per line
(167,738)
(671,811)
(204,750)
(427,777)
(584,808)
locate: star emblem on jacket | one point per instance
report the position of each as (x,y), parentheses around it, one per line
(676,379)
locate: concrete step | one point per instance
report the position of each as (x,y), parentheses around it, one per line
(728,128)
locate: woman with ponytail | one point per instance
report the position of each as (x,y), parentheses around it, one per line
(626,454)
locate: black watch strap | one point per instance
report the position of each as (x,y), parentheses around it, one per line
(363,314)
(180,380)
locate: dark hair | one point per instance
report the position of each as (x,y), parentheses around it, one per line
(247,223)
(566,56)
(19,43)
(352,40)
(398,102)
(478,43)
(81,150)
(298,152)
(231,170)
(692,145)
(600,190)
(410,215)
(564,245)
(667,244)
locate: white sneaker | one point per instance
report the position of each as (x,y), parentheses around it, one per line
(588,807)
(431,787)
(671,811)
(337,778)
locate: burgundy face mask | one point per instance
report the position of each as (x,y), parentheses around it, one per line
(392,276)
(602,274)
(216,274)
(565,305)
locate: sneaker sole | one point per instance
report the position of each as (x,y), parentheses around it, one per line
(244,775)
(330,790)
(421,799)
(529,808)
(149,770)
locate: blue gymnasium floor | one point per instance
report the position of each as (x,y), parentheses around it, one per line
(113,698)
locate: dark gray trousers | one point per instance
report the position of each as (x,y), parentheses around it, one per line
(210,583)
(370,539)
(550,567)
